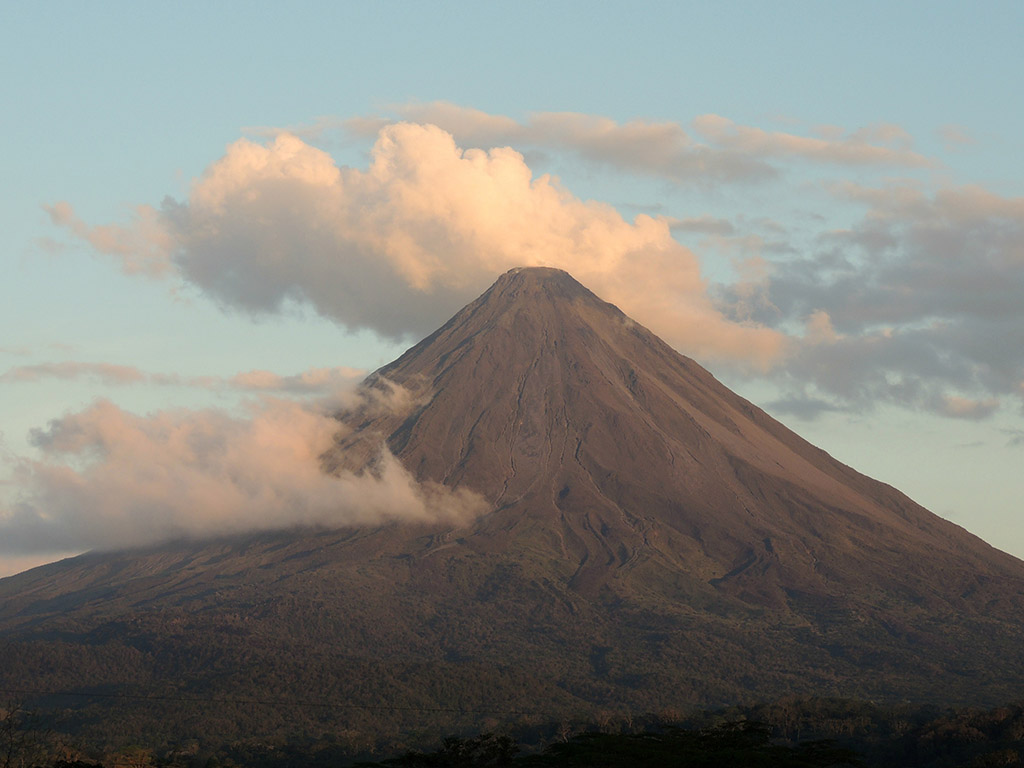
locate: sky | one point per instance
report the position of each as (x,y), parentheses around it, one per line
(215,219)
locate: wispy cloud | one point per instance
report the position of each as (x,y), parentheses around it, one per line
(880,145)
(967,408)
(1015,437)
(104,372)
(955,137)
(19,351)
(713,149)
(320,381)
(705,225)
(141,246)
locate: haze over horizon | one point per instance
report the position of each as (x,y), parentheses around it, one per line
(823,209)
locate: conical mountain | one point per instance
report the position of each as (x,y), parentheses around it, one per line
(588,433)
(652,541)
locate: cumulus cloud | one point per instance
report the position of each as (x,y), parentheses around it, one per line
(315,381)
(108,478)
(399,246)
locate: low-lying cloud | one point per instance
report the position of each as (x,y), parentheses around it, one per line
(400,246)
(107,478)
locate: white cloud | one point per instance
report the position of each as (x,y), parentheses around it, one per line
(109,479)
(400,246)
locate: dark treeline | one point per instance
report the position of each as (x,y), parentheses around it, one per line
(742,743)
(792,732)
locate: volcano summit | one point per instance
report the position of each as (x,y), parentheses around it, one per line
(652,541)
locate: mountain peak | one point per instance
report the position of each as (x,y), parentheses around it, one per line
(539,278)
(537,284)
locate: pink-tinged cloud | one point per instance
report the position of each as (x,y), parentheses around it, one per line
(109,479)
(104,372)
(315,381)
(967,408)
(400,246)
(884,145)
(662,149)
(955,137)
(323,381)
(717,149)
(142,247)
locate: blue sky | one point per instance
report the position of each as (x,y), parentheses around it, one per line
(845,177)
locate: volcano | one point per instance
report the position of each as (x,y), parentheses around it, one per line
(651,541)
(600,446)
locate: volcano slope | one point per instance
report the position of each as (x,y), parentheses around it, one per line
(653,542)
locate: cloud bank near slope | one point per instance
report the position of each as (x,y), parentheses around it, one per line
(107,479)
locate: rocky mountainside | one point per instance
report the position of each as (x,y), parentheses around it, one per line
(653,542)
(607,449)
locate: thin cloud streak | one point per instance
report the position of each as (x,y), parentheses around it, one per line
(315,381)
(872,146)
